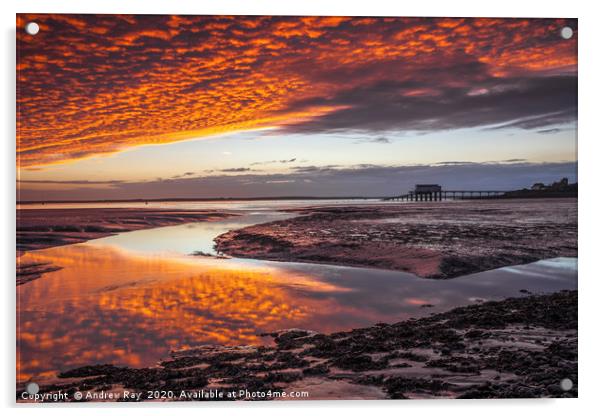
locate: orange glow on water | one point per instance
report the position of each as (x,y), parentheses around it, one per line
(107,305)
(131,298)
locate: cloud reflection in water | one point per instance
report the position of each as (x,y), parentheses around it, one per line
(112,305)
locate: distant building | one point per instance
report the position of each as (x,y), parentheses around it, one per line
(562,184)
(538,186)
(427,189)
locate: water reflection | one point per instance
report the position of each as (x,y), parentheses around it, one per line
(186,238)
(129,299)
(228,205)
(108,305)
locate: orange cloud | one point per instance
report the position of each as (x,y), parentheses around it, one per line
(94,84)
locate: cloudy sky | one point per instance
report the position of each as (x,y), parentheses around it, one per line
(120,107)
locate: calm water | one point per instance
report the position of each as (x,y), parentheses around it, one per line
(250,205)
(130,298)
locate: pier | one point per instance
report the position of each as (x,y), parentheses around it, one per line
(436,193)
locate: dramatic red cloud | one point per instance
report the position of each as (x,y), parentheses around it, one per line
(93,84)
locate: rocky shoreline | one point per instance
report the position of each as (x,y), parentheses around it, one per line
(516,348)
(433,240)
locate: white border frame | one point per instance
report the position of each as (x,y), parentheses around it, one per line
(589,203)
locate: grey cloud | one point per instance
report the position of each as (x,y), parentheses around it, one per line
(183,175)
(73,182)
(513,160)
(453,162)
(520,102)
(269,162)
(235,170)
(361,180)
(549,131)
(380,140)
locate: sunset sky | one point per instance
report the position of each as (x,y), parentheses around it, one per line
(123,107)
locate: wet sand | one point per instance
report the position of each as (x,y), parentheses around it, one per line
(518,347)
(432,240)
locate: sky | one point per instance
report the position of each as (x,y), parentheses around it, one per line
(129,107)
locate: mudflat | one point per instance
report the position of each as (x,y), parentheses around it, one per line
(519,347)
(432,240)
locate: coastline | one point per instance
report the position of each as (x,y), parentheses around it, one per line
(432,240)
(44,228)
(518,348)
